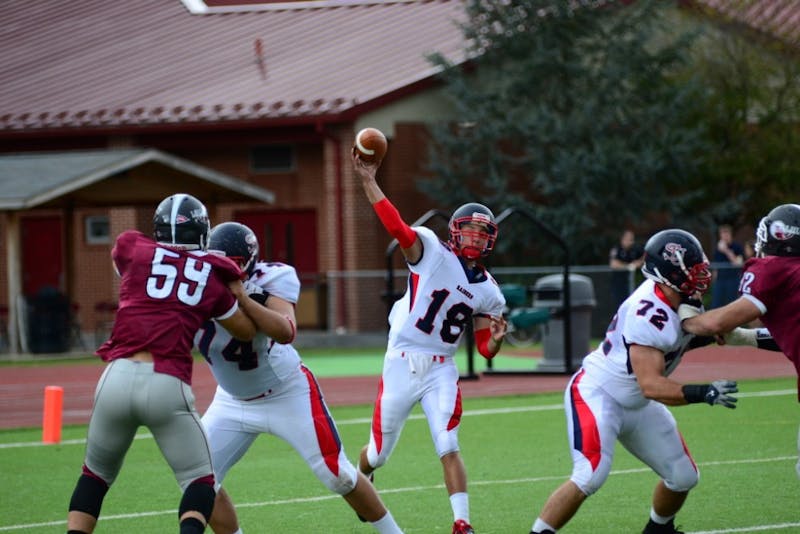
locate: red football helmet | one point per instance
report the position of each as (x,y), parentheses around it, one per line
(472,214)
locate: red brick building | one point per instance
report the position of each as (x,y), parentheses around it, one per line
(267,93)
(270,95)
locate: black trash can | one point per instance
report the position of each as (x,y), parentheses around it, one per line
(48,322)
(549,293)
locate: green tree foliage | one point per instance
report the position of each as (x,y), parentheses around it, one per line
(753,107)
(572,111)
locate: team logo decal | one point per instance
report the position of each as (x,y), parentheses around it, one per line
(781,231)
(673,253)
(179,219)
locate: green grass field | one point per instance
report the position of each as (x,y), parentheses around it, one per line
(515,450)
(333,362)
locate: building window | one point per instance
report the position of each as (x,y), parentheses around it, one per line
(272,158)
(98,231)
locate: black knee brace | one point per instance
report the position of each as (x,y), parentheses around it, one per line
(88,495)
(199,496)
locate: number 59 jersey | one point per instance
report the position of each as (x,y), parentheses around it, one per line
(442,295)
(246,369)
(165,295)
(644,318)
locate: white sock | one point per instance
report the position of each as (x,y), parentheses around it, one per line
(459,502)
(539,526)
(387,524)
(661,520)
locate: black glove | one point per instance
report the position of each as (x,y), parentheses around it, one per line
(718,393)
(255,292)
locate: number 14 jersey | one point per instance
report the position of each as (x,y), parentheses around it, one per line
(246,369)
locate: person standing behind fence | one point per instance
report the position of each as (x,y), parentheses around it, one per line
(446,288)
(729,256)
(624,259)
(169,287)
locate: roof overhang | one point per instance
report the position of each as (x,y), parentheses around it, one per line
(105,178)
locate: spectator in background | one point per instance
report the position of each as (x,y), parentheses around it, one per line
(729,255)
(625,258)
(749,249)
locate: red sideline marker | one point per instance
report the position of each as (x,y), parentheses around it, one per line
(51,421)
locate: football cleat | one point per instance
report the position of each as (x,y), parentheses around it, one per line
(462,527)
(654,528)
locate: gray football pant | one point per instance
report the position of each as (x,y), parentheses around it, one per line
(130,394)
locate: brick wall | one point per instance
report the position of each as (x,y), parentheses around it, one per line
(350,236)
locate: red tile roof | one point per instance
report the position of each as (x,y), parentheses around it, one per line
(778,19)
(96,63)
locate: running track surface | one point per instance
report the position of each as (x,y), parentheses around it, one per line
(22,388)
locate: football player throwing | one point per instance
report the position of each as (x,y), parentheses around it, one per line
(447,286)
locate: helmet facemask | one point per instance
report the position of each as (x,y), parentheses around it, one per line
(698,279)
(474,229)
(761,238)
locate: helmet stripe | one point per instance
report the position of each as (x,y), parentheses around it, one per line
(177,200)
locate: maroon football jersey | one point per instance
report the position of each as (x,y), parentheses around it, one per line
(165,296)
(775,281)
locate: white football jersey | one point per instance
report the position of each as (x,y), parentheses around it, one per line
(246,369)
(645,318)
(440,297)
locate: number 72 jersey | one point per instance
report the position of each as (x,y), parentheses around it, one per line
(441,297)
(645,318)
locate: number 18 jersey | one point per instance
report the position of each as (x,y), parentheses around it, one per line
(441,296)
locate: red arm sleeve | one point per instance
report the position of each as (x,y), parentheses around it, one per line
(394,224)
(482,337)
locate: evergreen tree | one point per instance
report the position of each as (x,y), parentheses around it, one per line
(572,111)
(751,117)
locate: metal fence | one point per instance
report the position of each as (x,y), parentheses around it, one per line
(358,301)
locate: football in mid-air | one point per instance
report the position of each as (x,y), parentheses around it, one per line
(371,144)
